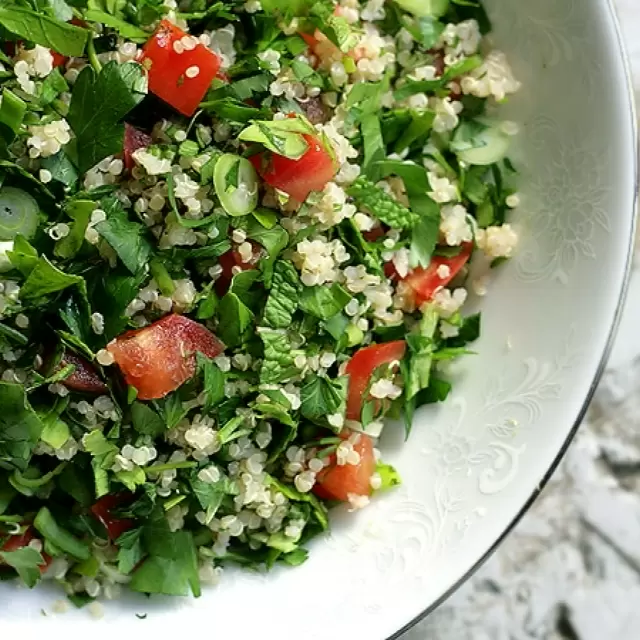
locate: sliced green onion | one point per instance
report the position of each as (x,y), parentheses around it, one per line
(12,110)
(59,537)
(18,214)
(236,184)
(424,8)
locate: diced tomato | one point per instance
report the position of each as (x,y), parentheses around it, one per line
(221,75)
(180,79)
(298,178)
(337,482)
(134,139)
(20,541)
(374,234)
(157,359)
(102,511)
(58,59)
(425,282)
(361,367)
(85,378)
(312,39)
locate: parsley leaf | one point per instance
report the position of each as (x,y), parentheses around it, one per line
(172,566)
(321,396)
(146,421)
(66,39)
(99,102)
(235,319)
(130,550)
(127,238)
(283,298)
(324,302)
(27,562)
(20,427)
(45,279)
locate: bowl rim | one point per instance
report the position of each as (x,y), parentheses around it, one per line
(613,330)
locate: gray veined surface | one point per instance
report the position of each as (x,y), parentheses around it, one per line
(571,569)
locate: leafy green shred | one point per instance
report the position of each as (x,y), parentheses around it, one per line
(278,363)
(283,297)
(372,198)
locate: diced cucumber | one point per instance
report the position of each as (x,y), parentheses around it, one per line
(488,146)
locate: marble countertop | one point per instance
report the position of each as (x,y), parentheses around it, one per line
(571,569)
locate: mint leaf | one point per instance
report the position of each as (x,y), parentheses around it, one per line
(277,365)
(20,427)
(381,205)
(99,102)
(283,298)
(128,239)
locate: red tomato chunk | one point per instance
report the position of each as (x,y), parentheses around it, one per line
(102,511)
(134,139)
(361,367)
(85,378)
(180,71)
(338,482)
(157,359)
(425,282)
(300,177)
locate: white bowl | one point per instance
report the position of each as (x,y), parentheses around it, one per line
(473,465)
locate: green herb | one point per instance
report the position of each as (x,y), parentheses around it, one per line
(66,39)
(324,302)
(99,102)
(277,365)
(127,238)
(383,206)
(61,538)
(26,562)
(283,298)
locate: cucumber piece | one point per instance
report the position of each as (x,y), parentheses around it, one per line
(485,147)
(424,8)
(19,214)
(236,184)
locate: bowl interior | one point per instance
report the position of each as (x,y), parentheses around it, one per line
(471,464)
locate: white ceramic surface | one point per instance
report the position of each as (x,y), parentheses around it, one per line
(473,463)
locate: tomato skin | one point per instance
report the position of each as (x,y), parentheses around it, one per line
(85,378)
(134,139)
(362,365)
(337,482)
(157,359)
(425,282)
(167,69)
(298,178)
(20,541)
(58,59)
(102,511)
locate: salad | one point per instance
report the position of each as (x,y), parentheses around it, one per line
(234,238)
